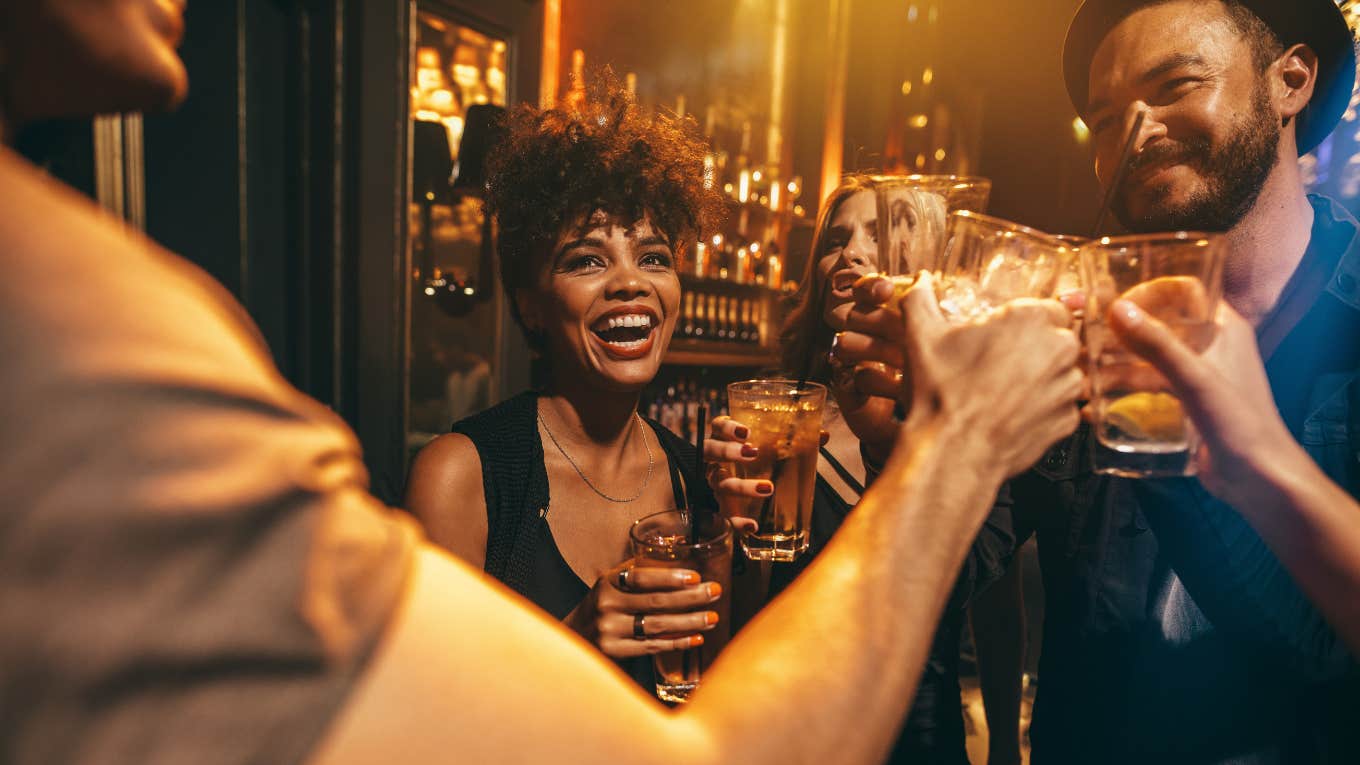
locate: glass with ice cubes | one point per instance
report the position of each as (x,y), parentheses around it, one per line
(988,262)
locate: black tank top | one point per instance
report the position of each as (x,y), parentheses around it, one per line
(520,548)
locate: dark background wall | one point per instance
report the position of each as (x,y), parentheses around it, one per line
(1041,174)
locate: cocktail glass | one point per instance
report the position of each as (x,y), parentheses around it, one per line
(785,422)
(1141,429)
(913,213)
(700,541)
(988,262)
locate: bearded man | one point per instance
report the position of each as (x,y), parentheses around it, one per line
(1172,631)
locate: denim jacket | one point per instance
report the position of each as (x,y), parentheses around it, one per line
(1171,632)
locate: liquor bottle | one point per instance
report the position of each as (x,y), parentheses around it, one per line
(721,332)
(700,318)
(691,404)
(744,322)
(713,319)
(668,416)
(733,321)
(687,316)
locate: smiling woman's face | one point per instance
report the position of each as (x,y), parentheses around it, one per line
(606,302)
(850,250)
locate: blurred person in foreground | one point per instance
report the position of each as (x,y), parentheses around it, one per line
(844,249)
(1172,632)
(193,570)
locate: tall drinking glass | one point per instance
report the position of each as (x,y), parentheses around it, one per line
(1141,429)
(913,214)
(989,261)
(785,424)
(700,541)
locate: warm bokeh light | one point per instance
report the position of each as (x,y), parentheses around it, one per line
(1080,130)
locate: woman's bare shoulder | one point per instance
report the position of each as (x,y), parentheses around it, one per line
(445,493)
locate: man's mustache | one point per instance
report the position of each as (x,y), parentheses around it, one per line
(1169,153)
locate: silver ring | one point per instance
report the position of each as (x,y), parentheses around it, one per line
(623,578)
(639,627)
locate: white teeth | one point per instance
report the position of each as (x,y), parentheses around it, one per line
(628,345)
(630,320)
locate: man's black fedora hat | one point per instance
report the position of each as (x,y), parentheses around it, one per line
(1316,23)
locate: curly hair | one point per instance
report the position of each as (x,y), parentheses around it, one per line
(553,168)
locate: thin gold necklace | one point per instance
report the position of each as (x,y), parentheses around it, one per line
(637,420)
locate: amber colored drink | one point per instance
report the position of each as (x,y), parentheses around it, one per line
(785,424)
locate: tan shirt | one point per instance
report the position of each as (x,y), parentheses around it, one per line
(191,569)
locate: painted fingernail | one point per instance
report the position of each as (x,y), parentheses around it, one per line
(714,590)
(1130,313)
(688,577)
(696,640)
(765,487)
(749,451)
(740,431)
(710,618)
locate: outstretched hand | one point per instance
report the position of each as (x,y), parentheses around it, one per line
(1010,377)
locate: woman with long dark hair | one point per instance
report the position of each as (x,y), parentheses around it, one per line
(860,432)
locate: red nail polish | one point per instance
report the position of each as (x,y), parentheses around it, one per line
(765,488)
(749,451)
(741,432)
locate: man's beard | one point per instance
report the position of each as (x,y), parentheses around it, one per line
(1233,176)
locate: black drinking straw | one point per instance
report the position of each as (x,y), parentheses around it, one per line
(699,439)
(1120,171)
(694,511)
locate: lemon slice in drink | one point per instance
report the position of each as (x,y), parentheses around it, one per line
(1148,416)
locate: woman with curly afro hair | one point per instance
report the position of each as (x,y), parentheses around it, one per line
(595,203)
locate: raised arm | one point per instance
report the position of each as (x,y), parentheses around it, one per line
(823,674)
(1293,574)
